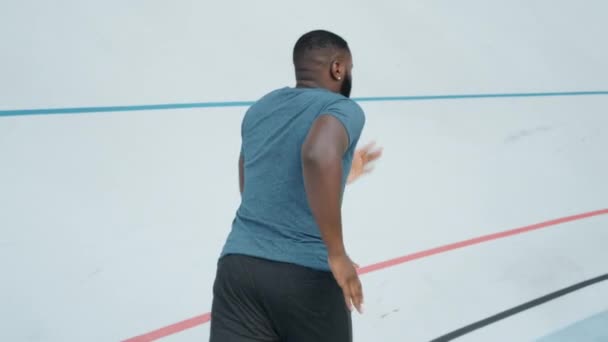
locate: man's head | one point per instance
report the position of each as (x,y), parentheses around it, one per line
(323,59)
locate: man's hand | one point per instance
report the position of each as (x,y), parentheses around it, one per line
(362,160)
(344,270)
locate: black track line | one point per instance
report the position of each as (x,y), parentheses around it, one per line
(515,310)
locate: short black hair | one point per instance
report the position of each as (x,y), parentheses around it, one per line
(318,39)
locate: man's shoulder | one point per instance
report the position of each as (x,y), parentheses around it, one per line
(324,98)
(276,91)
(337,101)
(347,106)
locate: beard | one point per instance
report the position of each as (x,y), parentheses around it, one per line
(346,86)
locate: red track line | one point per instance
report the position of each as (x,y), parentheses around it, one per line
(172,329)
(204,318)
(477,240)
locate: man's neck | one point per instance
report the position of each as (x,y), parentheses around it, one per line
(308,84)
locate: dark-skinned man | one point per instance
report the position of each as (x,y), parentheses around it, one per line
(284,273)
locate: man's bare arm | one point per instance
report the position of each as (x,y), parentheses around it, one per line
(322,153)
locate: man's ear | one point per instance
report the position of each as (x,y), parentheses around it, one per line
(337,69)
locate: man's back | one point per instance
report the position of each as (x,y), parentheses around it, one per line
(274,220)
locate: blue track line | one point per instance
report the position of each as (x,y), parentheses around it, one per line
(83,110)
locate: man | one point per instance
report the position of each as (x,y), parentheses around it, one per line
(284,274)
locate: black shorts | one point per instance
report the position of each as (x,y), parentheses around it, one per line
(261,300)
